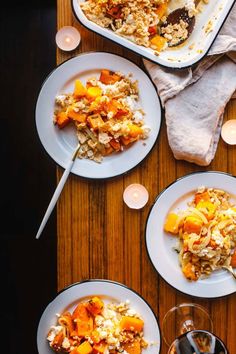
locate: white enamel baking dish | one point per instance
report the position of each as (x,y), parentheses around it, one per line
(194,49)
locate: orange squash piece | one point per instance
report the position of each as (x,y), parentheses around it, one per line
(93,92)
(134,131)
(189,272)
(76,116)
(192,224)
(95,306)
(158,42)
(95,336)
(115,144)
(233,259)
(67,321)
(95,121)
(62,120)
(115,12)
(100,347)
(207,208)
(127,140)
(171,223)
(79,89)
(161,10)
(132,348)
(108,77)
(201,197)
(131,324)
(83,320)
(57,341)
(84,348)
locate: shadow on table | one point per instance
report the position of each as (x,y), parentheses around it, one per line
(28,175)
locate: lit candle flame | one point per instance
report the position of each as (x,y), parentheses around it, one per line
(67,39)
(135,196)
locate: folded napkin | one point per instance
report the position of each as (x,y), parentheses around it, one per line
(195,98)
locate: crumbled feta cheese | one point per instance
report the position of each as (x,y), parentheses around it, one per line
(54,330)
(66,343)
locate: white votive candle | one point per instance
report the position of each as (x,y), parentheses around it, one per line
(68,38)
(228,132)
(135,196)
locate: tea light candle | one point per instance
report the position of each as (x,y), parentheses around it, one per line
(135,196)
(228,132)
(68,38)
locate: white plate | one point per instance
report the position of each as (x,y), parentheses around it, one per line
(215,11)
(160,244)
(60,144)
(109,291)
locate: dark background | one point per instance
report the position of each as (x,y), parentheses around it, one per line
(28,175)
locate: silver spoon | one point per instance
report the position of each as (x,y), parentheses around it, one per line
(176,16)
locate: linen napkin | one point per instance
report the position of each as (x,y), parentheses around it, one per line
(195,98)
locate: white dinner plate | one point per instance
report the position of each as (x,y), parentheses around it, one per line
(60,143)
(160,244)
(109,291)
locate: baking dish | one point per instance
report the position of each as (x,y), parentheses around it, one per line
(208,24)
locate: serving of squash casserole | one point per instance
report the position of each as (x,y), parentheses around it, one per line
(105,112)
(143,22)
(98,328)
(206,232)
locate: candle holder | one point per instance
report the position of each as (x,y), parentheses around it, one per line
(135,196)
(68,38)
(228,132)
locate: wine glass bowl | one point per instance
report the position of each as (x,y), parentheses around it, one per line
(184,318)
(187,329)
(198,342)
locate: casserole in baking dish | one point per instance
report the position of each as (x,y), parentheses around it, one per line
(119,24)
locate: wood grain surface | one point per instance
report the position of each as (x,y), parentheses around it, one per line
(98,236)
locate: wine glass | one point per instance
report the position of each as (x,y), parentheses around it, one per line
(187,329)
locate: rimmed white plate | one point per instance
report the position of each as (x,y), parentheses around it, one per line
(160,244)
(109,291)
(60,144)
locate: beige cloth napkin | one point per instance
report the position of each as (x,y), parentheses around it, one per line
(195,98)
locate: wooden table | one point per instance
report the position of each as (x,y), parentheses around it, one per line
(99,237)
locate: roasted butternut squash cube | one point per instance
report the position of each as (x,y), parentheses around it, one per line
(233,259)
(161,9)
(84,348)
(201,197)
(134,131)
(62,119)
(171,223)
(158,42)
(83,320)
(192,224)
(108,77)
(76,116)
(189,272)
(127,140)
(95,306)
(93,92)
(132,348)
(79,89)
(95,121)
(115,144)
(99,347)
(207,208)
(131,324)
